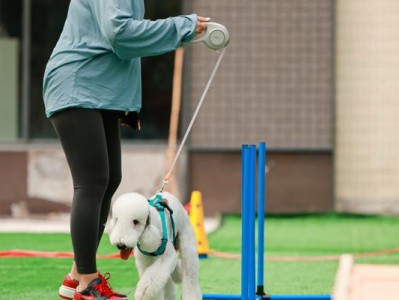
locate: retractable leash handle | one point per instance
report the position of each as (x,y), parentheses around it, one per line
(215,37)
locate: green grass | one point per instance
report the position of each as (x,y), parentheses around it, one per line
(307,235)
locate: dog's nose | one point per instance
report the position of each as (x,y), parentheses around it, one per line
(121,246)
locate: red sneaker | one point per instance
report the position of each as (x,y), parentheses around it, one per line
(99,289)
(68,287)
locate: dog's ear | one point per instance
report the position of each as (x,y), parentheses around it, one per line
(109,225)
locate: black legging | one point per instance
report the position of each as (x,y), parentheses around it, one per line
(91,142)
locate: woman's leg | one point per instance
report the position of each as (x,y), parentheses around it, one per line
(112,135)
(82,135)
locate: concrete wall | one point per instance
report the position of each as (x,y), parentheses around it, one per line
(275,84)
(38,176)
(296,182)
(367,109)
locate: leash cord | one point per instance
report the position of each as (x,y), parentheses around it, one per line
(168,174)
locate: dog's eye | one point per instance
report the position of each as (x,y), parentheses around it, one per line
(135,222)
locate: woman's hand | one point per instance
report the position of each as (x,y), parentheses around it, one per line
(201,25)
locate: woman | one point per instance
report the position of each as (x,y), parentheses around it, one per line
(93,77)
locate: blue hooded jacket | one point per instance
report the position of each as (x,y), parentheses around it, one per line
(96,62)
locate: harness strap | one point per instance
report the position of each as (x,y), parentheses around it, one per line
(172,222)
(160,205)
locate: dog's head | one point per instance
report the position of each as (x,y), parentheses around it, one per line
(130,216)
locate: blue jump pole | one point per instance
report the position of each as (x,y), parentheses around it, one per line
(260,291)
(248,178)
(251,228)
(245,174)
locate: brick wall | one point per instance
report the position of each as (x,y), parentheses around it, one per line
(276,80)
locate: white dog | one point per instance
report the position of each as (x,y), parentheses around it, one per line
(135,224)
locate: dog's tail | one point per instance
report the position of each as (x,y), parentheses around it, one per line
(190,263)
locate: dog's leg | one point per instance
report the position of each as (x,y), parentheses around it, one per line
(190,264)
(177,274)
(154,278)
(170,290)
(142,261)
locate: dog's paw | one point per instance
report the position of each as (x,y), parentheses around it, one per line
(144,296)
(148,290)
(140,293)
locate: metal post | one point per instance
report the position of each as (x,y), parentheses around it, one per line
(248,168)
(244,217)
(251,225)
(26,73)
(260,291)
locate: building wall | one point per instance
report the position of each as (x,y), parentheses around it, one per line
(13,179)
(296,182)
(275,84)
(36,178)
(367,110)
(276,79)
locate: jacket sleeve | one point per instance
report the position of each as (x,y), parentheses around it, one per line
(131,38)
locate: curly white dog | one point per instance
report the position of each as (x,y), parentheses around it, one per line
(157,240)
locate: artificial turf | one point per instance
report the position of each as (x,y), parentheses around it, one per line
(292,236)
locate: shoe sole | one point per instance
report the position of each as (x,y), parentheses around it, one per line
(66,292)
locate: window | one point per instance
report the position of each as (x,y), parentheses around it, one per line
(10,42)
(46,22)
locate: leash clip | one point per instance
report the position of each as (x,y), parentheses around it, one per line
(164,184)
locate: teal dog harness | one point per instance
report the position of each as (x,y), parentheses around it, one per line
(160,204)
